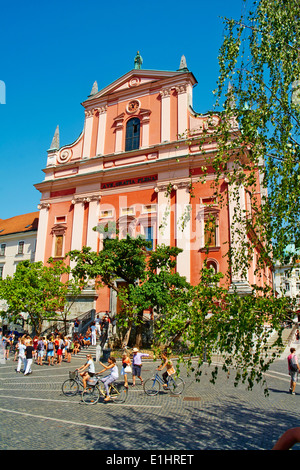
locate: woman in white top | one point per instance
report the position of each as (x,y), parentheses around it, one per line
(22,357)
(86,374)
(114,374)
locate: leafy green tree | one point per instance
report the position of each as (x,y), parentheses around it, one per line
(206,320)
(259,95)
(40,291)
(149,279)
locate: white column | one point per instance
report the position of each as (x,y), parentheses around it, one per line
(165,114)
(182,105)
(183,230)
(119,136)
(42,232)
(238,235)
(164,218)
(92,235)
(88,128)
(145,132)
(77,229)
(101,130)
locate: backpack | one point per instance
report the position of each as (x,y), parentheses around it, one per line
(50,346)
(293,366)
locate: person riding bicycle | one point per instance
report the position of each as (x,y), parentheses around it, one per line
(169,366)
(112,377)
(87,374)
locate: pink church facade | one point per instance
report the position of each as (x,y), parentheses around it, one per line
(133,166)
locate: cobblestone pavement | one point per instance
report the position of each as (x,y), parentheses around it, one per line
(36,415)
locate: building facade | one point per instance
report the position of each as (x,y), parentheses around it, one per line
(133,166)
(18,237)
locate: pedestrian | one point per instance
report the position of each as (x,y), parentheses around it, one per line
(137,365)
(93,333)
(21,354)
(50,351)
(60,346)
(167,363)
(97,323)
(293,369)
(7,346)
(40,351)
(29,353)
(126,367)
(67,340)
(112,377)
(76,325)
(86,374)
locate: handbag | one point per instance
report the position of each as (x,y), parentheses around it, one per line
(127,369)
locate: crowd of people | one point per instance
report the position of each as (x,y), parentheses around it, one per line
(53,348)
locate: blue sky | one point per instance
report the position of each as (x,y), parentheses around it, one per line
(52,52)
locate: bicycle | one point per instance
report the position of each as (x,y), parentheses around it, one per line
(72,385)
(174,385)
(95,390)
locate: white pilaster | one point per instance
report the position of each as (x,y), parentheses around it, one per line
(92,235)
(88,128)
(237,214)
(182,105)
(165,114)
(183,230)
(119,137)
(164,218)
(101,130)
(42,232)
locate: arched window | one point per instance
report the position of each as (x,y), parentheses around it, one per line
(132,141)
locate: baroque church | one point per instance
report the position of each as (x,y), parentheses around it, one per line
(133,166)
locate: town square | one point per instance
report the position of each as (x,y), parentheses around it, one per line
(149,229)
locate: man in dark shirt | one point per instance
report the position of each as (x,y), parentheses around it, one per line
(29,354)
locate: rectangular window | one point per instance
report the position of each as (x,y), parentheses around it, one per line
(58,248)
(128,211)
(149,236)
(21,248)
(210,233)
(106,214)
(1,272)
(2,249)
(149,209)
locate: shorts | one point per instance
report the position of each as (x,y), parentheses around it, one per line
(136,370)
(50,353)
(41,353)
(294,376)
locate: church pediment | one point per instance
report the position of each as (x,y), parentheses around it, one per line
(131,80)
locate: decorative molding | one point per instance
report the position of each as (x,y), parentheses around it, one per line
(86,199)
(165,92)
(101,109)
(44,205)
(181,88)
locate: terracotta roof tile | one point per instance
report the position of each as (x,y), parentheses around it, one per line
(19,223)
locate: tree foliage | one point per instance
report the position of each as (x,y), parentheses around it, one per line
(258,89)
(39,291)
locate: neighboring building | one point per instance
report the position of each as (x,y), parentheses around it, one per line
(132,152)
(17,241)
(287,276)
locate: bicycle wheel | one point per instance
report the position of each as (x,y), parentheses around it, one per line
(118,393)
(175,385)
(91,395)
(151,386)
(70,387)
